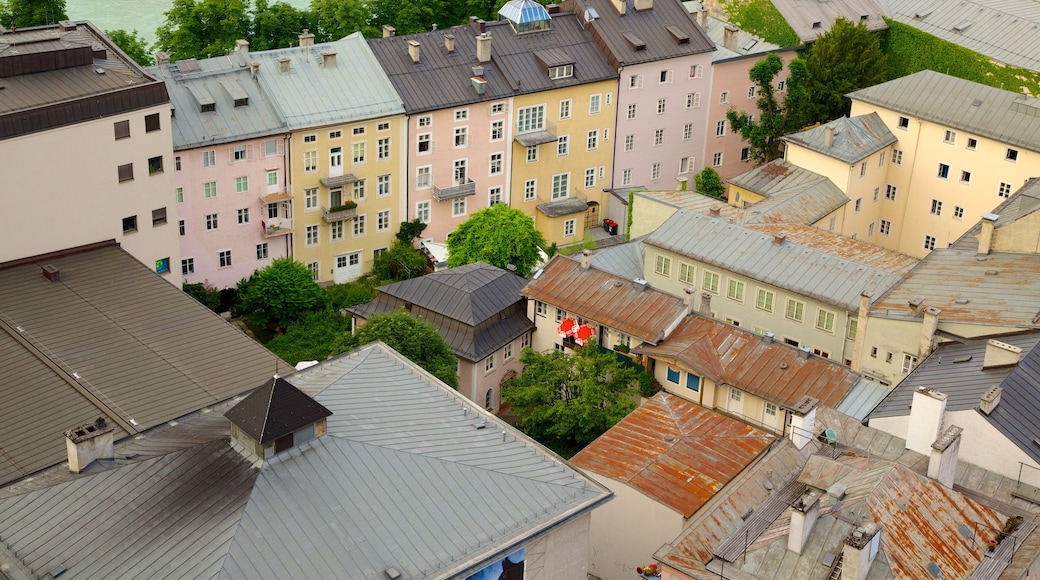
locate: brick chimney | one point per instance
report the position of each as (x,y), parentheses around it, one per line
(51,272)
(942,459)
(702,17)
(643,5)
(284,64)
(705,308)
(778,239)
(449,43)
(328,58)
(729,37)
(927,412)
(804,514)
(484,47)
(306,38)
(242,48)
(88,443)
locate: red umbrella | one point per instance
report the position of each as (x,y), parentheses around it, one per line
(583,334)
(567,327)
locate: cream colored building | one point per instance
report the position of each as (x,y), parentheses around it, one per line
(85,149)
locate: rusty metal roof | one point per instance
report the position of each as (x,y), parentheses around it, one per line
(841,246)
(676,452)
(604,298)
(772,370)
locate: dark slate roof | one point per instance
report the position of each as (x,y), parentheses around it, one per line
(852,140)
(654,27)
(1018,414)
(477,308)
(111,339)
(442,79)
(275,409)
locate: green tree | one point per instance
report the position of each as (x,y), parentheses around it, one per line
(202,28)
(410,230)
(280,294)
(846,58)
(313,337)
(416,339)
(774,119)
(498,235)
(23,13)
(401,262)
(352,293)
(132,44)
(709,183)
(278,25)
(338,18)
(565,401)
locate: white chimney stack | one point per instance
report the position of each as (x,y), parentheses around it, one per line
(860,549)
(306,38)
(643,4)
(804,514)
(861,328)
(1000,354)
(927,412)
(413,51)
(803,421)
(242,48)
(449,42)
(484,47)
(586,259)
(928,327)
(88,443)
(990,399)
(729,37)
(942,460)
(989,220)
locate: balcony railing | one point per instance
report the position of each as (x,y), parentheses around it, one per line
(527,136)
(276,196)
(276,228)
(333,182)
(338,213)
(445,193)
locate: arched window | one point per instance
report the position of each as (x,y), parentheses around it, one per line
(487,398)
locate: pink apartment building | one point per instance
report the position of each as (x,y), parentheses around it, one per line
(229,144)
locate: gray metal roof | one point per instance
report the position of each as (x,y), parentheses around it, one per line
(811,18)
(793,194)
(312,95)
(662,32)
(851,140)
(110,339)
(804,270)
(215,78)
(477,307)
(623,260)
(402,479)
(1005,116)
(1004,30)
(865,395)
(1022,203)
(514,68)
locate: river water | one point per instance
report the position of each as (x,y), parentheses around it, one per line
(141,15)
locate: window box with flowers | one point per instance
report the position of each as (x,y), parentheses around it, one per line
(649,571)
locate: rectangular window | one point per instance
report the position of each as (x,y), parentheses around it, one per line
(592,140)
(781,86)
(239,153)
(825,320)
(212,221)
(626,177)
(489,364)
(686,165)
(693,100)
(272,210)
(209,190)
(122,129)
(870,230)
(795,310)
(312,235)
(716,159)
(885,227)
(630,142)
(1004,190)
(562,143)
(724,97)
(594,104)
(1011,155)
(177,163)
(687,132)
(909,362)
(890,192)
(735,290)
(458,207)
(461,114)
(358,192)
(126,172)
(936,207)
(422,177)
(560,185)
(243,216)
(310,138)
(498,130)
(745,154)
(958,212)
(752,92)
(897,157)
(532,153)
(424,143)
(720,128)
(972,143)
(382,186)
(270,147)
(658,137)
(539,308)
(461,137)
(272,179)
(881,159)
(853,327)
(495,164)
(494,195)
(310,199)
(225,259)
(710,282)
(359,226)
(944,171)
(530,187)
(662,106)
(422,211)
(665,77)
(565,108)
(687,273)
(358,152)
(569,228)
(497,108)
(339,133)
(696,71)
(424,121)
(663,266)
(672,375)
(862,169)
(130,224)
(242,184)
(530,119)
(929,242)
(383,220)
(209,158)
(590,178)
(859,204)
(180,227)
(965,176)
(635,82)
(525,340)
(314,268)
(655,171)
(877,194)
(310,161)
(336,230)
(764,300)
(950,137)
(261,251)
(903,123)
(632,111)
(383,148)
(187,266)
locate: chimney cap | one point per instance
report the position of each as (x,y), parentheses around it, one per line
(947,438)
(990,217)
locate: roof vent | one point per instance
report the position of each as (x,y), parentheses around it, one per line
(641,283)
(392,573)
(328,58)
(677,34)
(962,26)
(976,102)
(590,15)
(479,85)
(779,238)
(803,352)
(284,64)
(66,26)
(633,40)
(768,337)
(990,399)
(714,210)
(51,272)
(99,70)
(999,354)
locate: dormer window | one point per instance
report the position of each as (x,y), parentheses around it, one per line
(274,418)
(561,72)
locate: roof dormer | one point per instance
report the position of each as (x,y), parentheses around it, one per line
(274,418)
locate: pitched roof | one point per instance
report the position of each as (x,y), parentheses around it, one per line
(223,82)
(664,31)
(514,68)
(644,313)
(792,194)
(747,45)
(842,246)
(402,479)
(623,260)
(1005,116)
(803,269)
(275,409)
(112,339)
(810,18)
(850,140)
(772,370)
(362,89)
(676,452)
(1006,31)
(1023,203)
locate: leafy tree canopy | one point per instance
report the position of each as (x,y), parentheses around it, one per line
(132,44)
(401,262)
(416,339)
(202,28)
(338,18)
(410,230)
(498,235)
(23,13)
(775,119)
(846,58)
(566,400)
(281,293)
(709,183)
(314,337)
(278,25)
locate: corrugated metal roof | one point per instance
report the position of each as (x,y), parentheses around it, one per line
(1003,115)
(303,95)
(676,452)
(805,270)
(606,299)
(227,123)
(811,18)
(650,26)
(772,370)
(863,398)
(144,352)
(1004,30)
(851,140)
(513,68)
(997,289)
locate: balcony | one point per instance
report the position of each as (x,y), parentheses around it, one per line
(339,180)
(528,136)
(446,193)
(574,203)
(275,197)
(339,213)
(280,227)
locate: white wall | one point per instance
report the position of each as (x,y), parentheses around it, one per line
(561,554)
